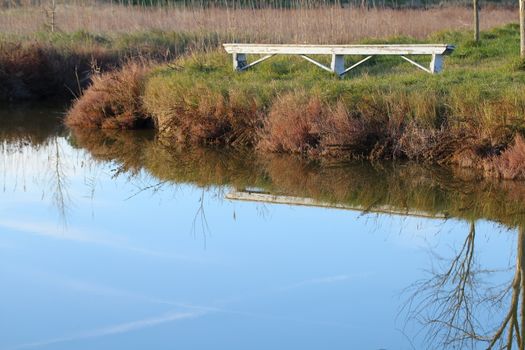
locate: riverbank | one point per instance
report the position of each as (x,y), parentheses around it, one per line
(471,115)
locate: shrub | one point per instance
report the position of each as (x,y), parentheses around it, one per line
(113,101)
(510,164)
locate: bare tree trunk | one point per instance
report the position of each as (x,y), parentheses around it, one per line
(476,19)
(522,28)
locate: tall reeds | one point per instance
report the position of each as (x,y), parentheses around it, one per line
(302,24)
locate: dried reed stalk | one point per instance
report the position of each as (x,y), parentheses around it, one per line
(309,25)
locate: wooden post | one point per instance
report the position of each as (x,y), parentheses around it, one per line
(476,20)
(239,61)
(338,64)
(522,29)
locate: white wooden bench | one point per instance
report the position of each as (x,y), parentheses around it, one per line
(240,51)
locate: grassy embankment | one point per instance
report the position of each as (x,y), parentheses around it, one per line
(471,115)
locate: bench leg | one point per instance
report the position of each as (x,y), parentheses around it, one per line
(239,61)
(436,64)
(338,64)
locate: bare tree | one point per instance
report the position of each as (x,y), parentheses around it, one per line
(51,12)
(59,183)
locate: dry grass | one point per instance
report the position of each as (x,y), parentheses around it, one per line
(198,100)
(381,126)
(38,64)
(33,70)
(318,25)
(292,125)
(114,101)
(510,164)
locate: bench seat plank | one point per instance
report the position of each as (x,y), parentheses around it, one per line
(418,49)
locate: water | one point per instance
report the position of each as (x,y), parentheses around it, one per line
(112,240)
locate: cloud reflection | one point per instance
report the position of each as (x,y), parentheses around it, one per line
(118,328)
(48,230)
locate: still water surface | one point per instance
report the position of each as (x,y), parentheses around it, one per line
(112,240)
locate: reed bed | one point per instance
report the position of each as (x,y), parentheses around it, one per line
(327,24)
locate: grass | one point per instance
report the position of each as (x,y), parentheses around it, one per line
(469,115)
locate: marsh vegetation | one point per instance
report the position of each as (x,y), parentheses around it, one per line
(471,115)
(179,81)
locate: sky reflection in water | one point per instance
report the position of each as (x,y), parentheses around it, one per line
(110,240)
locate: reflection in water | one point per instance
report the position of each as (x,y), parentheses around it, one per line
(446,302)
(40,131)
(460,302)
(59,181)
(460,309)
(403,188)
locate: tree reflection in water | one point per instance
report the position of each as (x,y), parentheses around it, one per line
(41,131)
(458,309)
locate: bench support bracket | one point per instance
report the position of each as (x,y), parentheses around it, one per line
(416,64)
(320,65)
(355,65)
(240,62)
(337,65)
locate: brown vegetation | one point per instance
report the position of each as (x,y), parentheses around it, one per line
(381,127)
(35,70)
(327,24)
(393,125)
(293,124)
(114,101)
(511,163)
(37,64)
